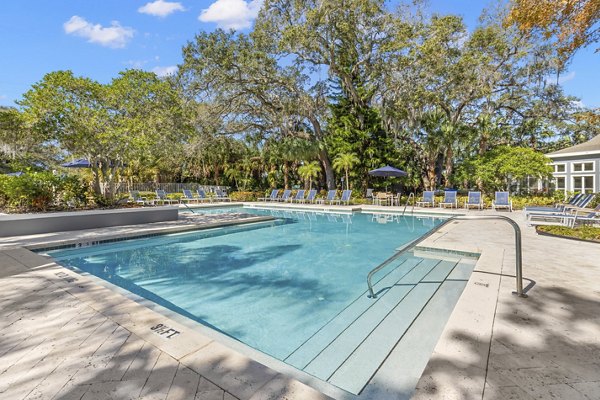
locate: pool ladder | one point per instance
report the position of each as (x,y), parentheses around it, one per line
(411,245)
(411,194)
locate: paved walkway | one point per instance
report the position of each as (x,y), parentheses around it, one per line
(71,339)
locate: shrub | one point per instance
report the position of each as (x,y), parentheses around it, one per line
(247,196)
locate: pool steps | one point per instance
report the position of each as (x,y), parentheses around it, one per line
(349,349)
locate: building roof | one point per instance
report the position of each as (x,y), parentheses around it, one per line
(587,148)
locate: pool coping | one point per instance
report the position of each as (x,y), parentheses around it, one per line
(197,349)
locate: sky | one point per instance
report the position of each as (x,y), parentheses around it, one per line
(99,38)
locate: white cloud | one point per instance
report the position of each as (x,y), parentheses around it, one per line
(115,35)
(231,14)
(161,8)
(3,97)
(165,71)
(565,78)
(137,64)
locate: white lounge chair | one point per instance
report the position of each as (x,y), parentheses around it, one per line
(474,200)
(272,196)
(502,200)
(428,199)
(449,199)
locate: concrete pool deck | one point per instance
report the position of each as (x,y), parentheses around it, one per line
(66,338)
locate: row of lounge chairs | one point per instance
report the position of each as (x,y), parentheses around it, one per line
(300,197)
(188,196)
(570,213)
(474,200)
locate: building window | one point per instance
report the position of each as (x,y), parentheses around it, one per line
(583,184)
(560,183)
(559,168)
(583,167)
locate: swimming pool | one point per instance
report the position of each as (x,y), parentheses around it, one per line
(289,288)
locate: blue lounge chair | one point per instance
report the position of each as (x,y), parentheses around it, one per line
(557,207)
(502,200)
(449,199)
(474,200)
(299,196)
(311,197)
(285,196)
(161,197)
(221,195)
(566,218)
(579,203)
(137,199)
(272,196)
(188,197)
(202,196)
(346,194)
(330,197)
(428,199)
(369,195)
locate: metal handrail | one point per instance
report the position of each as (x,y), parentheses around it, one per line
(518,249)
(411,194)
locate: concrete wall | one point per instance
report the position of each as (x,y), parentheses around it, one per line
(31,224)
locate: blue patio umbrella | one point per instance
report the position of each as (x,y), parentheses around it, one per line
(80,163)
(388,172)
(18,173)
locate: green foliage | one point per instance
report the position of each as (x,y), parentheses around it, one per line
(309,171)
(494,170)
(40,191)
(581,232)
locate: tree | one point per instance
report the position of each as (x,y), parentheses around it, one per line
(344,162)
(309,171)
(137,116)
(573,23)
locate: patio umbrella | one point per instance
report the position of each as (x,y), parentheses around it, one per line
(388,172)
(18,173)
(80,163)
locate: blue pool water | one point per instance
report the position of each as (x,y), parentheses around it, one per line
(270,285)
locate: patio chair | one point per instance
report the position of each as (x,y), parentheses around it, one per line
(299,196)
(161,197)
(271,197)
(330,197)
(428,198)
(221,195)
(558,207)
(591,218)
(310,198)
(474,200)
(566,218)
(287,193)
(381,199)
(449,199)
(346,194)
(188,196)
(502,200)
(134,197)
(202,197)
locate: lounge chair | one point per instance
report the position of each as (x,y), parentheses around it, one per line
(299,196)
(449,199)
(272,196)
(428,198)
(474,200)
(566,218)
(161,197)
(221,195)
(202,196)
(346,194)
(559,207)
(579,203)
(287,193)
(311,196)
(330,197)
(188,196)
(502,200)
(136,198)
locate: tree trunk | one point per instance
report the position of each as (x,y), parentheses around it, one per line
(347,181)
(449,166)
(326,163)
(286,171)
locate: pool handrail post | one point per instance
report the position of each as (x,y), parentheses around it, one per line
(518,250)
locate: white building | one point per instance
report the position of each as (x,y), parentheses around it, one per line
(577,168)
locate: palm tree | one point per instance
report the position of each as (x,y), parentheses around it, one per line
(309,171)
(345,161)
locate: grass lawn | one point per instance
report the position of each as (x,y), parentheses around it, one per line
(580,232)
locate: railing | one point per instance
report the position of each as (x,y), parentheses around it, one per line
(412,194)
(169,187)
(518,250)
